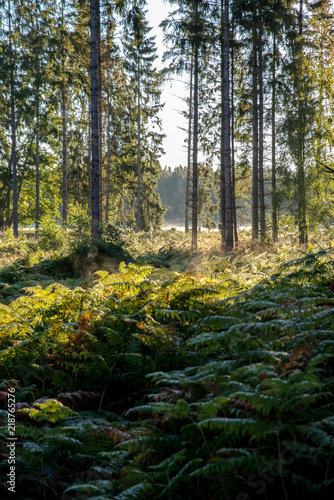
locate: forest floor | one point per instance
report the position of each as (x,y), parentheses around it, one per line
(184,374)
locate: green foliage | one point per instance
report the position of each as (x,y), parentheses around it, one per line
(50,411)
(51,234)
(80,224)
(171,188)
(148,382)
(9,245)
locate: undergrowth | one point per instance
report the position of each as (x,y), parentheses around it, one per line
(169,383)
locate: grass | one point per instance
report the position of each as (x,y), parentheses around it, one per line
(25,260)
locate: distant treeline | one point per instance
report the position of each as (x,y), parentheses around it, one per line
(172,188)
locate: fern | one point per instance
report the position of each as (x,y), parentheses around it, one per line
(151,383)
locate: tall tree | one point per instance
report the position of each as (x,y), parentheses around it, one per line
(235,227)
(194,207)
(95,171)
(255,177)
(222,211)
(145,80)
(63,113)
(301,102)
(13,121)
(187,203)
(188,30)
(228,243)
(301,194)
(273,143)
(261,130)
(37,111)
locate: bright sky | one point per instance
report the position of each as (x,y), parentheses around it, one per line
(174,145)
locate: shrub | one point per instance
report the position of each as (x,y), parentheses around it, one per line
(51,234)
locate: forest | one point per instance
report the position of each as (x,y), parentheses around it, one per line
(142,363)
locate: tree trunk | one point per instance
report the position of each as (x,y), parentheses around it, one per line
(273,145)
(195,141)
(222,211)
(255,179)
(78,182)
(186,220)
(235,228)
(108,161)
(302,228)
(37,146)
(13,128)
(95,199)
(64,134)
(138,154)
(64,128)
(89,165)
(261,140)
(227,133)
(24,167)
(99,78)
(9,212)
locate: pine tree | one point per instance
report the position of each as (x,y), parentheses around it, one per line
(187,201)
(261,130)
(226,126)
(301,193)
(95,174)
(188,30)
(13,161)
(233,136)
(273,143)
(300,109)
(194,206)
(145,81)
(63,112)
(255,178)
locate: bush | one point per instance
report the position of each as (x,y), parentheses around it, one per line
(51,234)
(11,245)
(80,224)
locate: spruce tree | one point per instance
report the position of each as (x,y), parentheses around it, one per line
(95,172)
(227,238)
(145,82)
(13,161)
(190,118)
(188,30)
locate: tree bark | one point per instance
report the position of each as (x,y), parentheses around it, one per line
(24,167)
(273,145)
(222,211)
(13,127)
(138,153)
(64,128)
(37,145)
(227,132)
(255,178)
(89,154)
(64,137)
(302,228)
(108,160)
(195,140)
(186,221)
(235,228)
(261,139)
(78,182)
(95,177)
(99,78)
(9,212)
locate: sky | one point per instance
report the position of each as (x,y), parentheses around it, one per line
(173,91)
